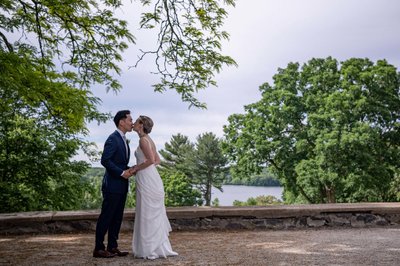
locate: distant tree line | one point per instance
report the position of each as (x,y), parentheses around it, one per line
(264,179)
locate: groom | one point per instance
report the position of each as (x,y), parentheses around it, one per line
(115,159)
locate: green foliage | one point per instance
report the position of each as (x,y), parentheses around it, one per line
(176,154)
(258,201)
(330,132)
(208,165)
(93,197)
(215,202)
(131,198)
(176,173)
(395,187)
(201,166)
(83,35)
(38,128)
(179,190)
(187,54)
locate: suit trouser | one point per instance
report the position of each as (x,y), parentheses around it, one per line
(110,219)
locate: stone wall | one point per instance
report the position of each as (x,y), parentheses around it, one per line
(217,218)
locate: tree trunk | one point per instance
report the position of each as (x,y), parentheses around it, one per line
(330,194)
(208,193)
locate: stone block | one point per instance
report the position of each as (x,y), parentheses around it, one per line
(338,219)
(315,222)
(235,225)
(301,222)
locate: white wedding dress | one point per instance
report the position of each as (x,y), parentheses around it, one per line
(152,227)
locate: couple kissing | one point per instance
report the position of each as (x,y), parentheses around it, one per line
(151,225)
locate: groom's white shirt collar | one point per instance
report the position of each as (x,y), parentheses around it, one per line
(121,133)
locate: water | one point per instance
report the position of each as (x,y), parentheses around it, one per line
(242,193)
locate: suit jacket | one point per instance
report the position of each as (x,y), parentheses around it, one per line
(115,161)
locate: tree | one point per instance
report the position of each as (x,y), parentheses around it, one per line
(81,39)
(36,145)
(176,154)
(179,190)
(208,165)
(176,174)
(189,40)
(201,165)
(330,131)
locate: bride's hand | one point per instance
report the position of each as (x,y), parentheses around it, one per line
(133,170)
(130,171)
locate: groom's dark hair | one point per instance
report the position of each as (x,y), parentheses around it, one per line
(120,115)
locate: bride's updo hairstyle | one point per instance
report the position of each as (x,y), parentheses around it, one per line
(147,123)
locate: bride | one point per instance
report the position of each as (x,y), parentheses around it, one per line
(152,227)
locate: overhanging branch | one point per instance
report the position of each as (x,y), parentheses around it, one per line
(7,43)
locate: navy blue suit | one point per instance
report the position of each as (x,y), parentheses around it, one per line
(115,159)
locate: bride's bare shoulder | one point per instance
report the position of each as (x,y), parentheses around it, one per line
(146,141)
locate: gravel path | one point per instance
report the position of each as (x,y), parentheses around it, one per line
(364,246)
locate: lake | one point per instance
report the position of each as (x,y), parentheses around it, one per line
(242,193)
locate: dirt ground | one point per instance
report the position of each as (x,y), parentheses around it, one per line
(364,246)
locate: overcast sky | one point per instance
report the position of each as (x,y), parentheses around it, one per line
(264,35)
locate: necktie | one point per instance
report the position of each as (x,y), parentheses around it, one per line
(126,145)
(126,149)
